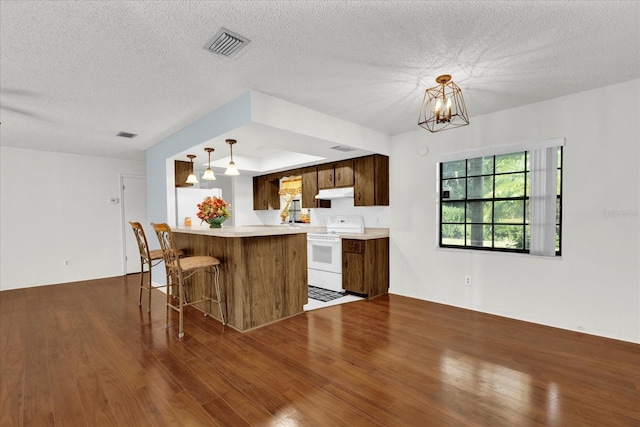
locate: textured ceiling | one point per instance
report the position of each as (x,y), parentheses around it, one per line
(75,73)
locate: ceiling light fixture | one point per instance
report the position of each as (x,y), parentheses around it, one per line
(191,179)
(208,174)
(443,106)
(232,169)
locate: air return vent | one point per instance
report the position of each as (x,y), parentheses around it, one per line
(342,148)
(127,134)
(227,43)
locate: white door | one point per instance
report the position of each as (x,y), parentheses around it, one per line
(134,208)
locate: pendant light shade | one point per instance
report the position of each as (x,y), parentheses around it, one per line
(232,169)
(443,106)
(208,174)
(191,179)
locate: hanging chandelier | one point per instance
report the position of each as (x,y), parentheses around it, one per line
(191,179)
(232,169)
(443,106)
(208,173)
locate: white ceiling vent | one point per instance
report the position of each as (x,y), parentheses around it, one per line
(342,148)
(127,134)
(227,43)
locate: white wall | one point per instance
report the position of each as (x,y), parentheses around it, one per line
(595,286)
(242,205)
(160,170)
(253,107)
(57,206)
(374,216)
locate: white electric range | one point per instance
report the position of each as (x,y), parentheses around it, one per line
(324,251)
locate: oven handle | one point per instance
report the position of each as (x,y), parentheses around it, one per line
(324,242)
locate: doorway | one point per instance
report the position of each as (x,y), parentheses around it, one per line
(133,190)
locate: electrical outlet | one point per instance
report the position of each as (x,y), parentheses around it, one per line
(67,262)
(467,280)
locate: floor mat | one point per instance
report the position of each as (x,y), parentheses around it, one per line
(324,295)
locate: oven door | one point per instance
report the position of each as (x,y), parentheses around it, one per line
(324,253)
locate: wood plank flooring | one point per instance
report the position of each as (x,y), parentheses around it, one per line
(85,354)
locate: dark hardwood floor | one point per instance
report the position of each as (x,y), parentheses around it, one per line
(85,354)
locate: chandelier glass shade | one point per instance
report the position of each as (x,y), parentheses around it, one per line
(191,179)
(443,106)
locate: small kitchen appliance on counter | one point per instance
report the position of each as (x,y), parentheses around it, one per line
(324,251)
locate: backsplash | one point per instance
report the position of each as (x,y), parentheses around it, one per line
(374,217)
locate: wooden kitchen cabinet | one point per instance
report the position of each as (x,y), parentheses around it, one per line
(265,193)
(365,266)
(181,172)
(310,189)
(371,180)
(335,175)
(369,176)
(326,176)
(343,174)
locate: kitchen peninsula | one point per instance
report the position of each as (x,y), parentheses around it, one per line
(263,273)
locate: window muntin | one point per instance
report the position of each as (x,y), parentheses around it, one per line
(484,203)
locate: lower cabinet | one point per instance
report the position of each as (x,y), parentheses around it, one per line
(365,266)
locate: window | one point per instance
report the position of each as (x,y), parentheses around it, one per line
(510,202)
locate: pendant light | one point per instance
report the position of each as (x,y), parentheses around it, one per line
(232,169)
(443,106)
(191,179)
(208,174)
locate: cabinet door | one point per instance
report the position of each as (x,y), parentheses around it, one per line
(260,193)
(371,181)
(309,187)
(353,272)
(326,176)
(364,181)
(344,174)
(182,171)
(376,266)
(273,198)
(381,180)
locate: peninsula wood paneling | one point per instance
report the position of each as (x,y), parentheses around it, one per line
(263,279)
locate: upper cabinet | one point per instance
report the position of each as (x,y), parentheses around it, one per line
(182,171)
(326,175)
(310,189)
(335,175)
(369,176)
(265,193)
(371,180)
(344,174)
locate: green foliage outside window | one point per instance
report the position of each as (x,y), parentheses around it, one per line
(488,202)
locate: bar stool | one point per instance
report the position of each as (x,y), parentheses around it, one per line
(179,269)
(151,258)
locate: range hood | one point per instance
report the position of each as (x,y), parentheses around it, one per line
(335,193)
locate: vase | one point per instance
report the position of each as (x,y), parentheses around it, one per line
(216,222)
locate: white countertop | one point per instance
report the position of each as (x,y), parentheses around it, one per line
(273,230)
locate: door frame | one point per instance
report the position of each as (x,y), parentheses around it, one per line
(125,227)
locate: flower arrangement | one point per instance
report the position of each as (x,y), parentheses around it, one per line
(212,208)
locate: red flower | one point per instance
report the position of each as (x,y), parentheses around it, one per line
(213,207)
